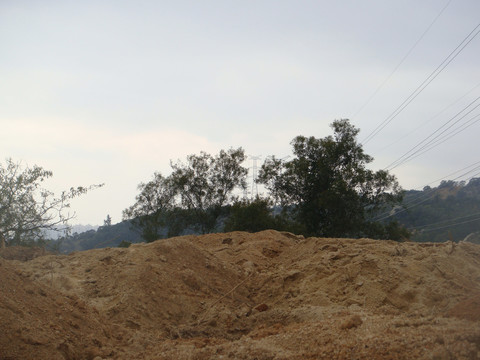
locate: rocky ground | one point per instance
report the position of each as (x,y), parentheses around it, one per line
(268,295)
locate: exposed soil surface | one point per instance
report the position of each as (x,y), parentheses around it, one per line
(268,295)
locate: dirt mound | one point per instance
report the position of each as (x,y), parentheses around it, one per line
(268,295)
(39,322)
(22,253)
(468,309)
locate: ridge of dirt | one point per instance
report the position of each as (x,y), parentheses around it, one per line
(269,295)
(22,253)
(39,322)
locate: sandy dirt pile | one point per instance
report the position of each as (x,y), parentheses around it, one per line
(22,253)
(268,295)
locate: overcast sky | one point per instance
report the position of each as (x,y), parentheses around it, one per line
(110,91)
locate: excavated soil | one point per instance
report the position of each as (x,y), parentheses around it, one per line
(268,295)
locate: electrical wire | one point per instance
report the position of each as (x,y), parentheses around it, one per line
(429,140)
(401,61)
(455,224)
(424,84)
(444,221)
(425,196)
(456,172)
(440,141)
(431,119)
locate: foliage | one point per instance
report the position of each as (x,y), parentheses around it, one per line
(205,184)
(148,213)
(193,197)
(104,236)
(27,209)
(124,244)
(328,185)
(107,221)
(396,231)
(449,211)
(392,230)
(256,215)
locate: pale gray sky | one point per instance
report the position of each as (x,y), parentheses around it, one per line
(110,91)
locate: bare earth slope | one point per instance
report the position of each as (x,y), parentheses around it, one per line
(267,295)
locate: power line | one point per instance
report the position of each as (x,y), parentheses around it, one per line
(429,140)
(424,197)
(446,137)
(431,193)
(444,221)
(451,225)
(432,118)
(384,216)
(456,172)
(424,84)
(437,140)
(401,61)
(474,176)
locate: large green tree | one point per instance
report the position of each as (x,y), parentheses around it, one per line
(256,215)
(327,184)
(193,196)
(155,200)
(206,183)
(27,209)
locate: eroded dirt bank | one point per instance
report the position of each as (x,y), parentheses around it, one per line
(267,295)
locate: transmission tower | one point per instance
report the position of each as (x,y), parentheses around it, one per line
(254,192)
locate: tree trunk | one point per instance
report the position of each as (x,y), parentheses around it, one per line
(2,241)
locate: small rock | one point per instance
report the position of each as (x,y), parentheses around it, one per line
(249,267)
(261,307)
(441,353)
(352,322)
(336,256)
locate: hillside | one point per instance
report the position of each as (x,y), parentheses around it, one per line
(268,295)
(101,237)
(450,211)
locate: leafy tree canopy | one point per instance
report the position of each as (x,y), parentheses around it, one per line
(206,183)
(328,184)
(194,195)
(27,209)
(256,215)
(156,197)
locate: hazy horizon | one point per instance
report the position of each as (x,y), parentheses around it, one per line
(103,92)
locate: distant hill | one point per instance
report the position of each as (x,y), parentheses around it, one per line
(52,234)
(101,237)
(450,211)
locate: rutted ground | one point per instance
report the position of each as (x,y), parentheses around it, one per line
(267,295)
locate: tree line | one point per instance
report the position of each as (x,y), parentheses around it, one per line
(450,211)
(325,189)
